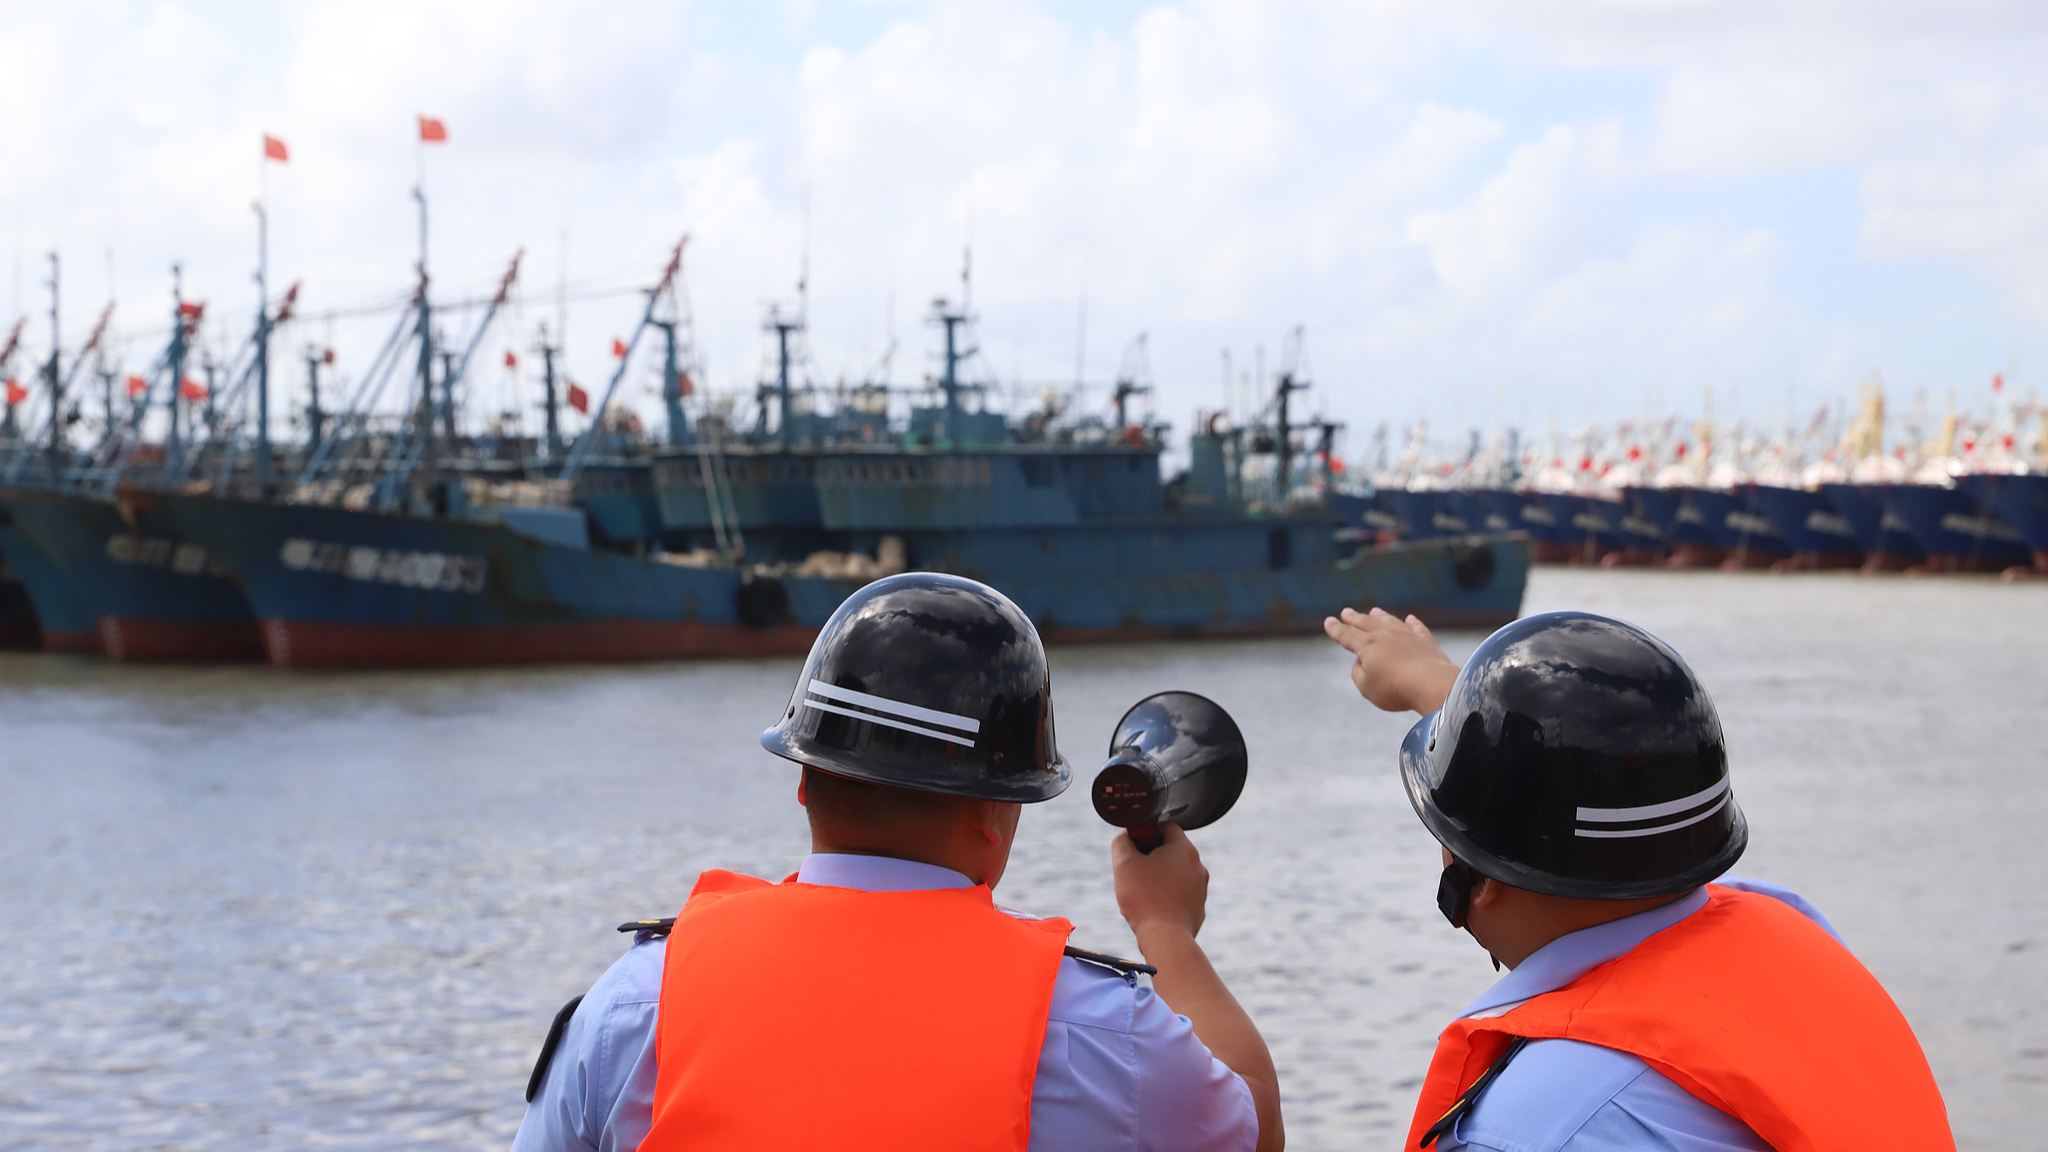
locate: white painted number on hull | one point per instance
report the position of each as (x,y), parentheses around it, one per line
(434,571)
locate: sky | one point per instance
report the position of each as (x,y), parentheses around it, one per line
(1529,212)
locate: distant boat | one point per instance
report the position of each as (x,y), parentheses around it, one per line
(63,622)
(1957,533)
(1817,533)
(151,594)
(1887,542)
(2020,500)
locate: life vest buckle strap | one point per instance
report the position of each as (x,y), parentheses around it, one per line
(548,1046)
(1464,1102)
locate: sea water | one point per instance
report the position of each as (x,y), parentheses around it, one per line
(249,909)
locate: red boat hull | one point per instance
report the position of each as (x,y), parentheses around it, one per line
(127,639)
(318,644)
(67,640)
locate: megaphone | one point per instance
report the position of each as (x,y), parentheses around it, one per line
(1176,758)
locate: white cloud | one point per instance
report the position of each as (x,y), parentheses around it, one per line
(1561,196)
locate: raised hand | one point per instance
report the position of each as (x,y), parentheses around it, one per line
(1399,666)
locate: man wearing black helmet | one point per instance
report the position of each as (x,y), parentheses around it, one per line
(878,998)
(1575,775)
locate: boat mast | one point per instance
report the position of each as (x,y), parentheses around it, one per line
(552,407)
(1286,385)
(672,386)
(783,327)
(6,366)
(954,319)
(1133,378)
(262,353)
(55,381)
(180,334)
(424,422)
(581,449)
(107,374)
(316,419)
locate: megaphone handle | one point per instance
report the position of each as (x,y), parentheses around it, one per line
(1147,838)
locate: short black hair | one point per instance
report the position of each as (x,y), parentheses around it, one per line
(844,799)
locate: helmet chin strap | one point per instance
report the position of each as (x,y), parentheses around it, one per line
(1454,892)
(1454,896)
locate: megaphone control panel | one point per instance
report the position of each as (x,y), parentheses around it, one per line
(1175,758)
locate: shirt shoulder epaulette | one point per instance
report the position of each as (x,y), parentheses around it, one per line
(1115,964)
(651,927)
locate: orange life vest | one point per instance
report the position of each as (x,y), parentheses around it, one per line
(797,1016)
(1749,1006)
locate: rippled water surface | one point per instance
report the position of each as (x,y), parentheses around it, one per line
(245,909)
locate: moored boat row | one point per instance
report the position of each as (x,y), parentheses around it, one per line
(1974,502)
(417,544)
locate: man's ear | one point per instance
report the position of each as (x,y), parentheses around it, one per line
(802,777)
(988,821)
(1486,892)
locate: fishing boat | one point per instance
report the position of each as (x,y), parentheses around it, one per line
(1956,533)
(147,593)
(2020,500)
(1815,532)
(61,620)
(762,536)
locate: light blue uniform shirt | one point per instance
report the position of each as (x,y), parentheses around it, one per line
(1119,1069)
(1568,1096)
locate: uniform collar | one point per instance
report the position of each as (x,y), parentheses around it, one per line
(876,873)
(1571,956)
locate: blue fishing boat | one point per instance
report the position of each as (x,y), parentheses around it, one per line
(1425,514)
(1888,544)
(1486,509)
(1956,533)
(1572,527)
(1680,523)
(18,627)
(338,587)
(1818,535)
(1746,537)
(62,621)
(152,594)
(341,587)
(1363,518)
(2020,501)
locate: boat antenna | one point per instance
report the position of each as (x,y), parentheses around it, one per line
(1081,328)
(967,256)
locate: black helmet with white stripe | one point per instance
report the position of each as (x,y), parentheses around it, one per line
(929,682)
(1578,756)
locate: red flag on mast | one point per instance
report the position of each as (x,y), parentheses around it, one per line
(511,361)
(579,399)
(15,392)
(274,149)
(137,385)
(192,390)
(432,131)
(618,346)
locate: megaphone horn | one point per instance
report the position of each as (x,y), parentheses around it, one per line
(1176,758)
